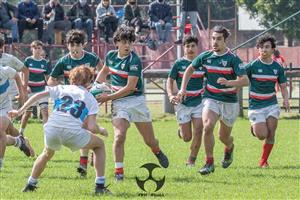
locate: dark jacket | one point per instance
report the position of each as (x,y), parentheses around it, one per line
(77,11)
(28,10)
(189,5)
(131,12)
(6,15)
(59,12)
(159,11)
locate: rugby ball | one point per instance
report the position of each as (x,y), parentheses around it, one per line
(100,88)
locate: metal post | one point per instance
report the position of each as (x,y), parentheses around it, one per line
(291,82)
(299,97)
(208,23)
(178,48)
(168,107)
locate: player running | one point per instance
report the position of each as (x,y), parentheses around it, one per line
(188,112)
(128,101)
(73,117)
(225,74)
(77,56)
(264,111)
(7,74)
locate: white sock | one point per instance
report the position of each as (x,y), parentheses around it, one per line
(18,142)
(100,180)
(21,130)
(32,181)
(119,165)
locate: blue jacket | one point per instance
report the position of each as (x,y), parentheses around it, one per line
(28,10)
(159,11)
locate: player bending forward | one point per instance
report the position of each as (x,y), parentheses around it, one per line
(71,123)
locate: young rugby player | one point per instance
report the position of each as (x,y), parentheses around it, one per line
(128,101)
(225,73)
(189,111)
(264,111)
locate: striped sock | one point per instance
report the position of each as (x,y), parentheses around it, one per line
(100,181)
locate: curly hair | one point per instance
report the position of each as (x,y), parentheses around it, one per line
(124,33)
(75,36)
(265,38)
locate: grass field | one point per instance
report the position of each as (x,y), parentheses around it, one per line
(242,180)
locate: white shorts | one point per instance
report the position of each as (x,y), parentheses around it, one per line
(228,112)
(132,108)
(4,110)
(185,114)
(43,102)
(74,139)
(262,114)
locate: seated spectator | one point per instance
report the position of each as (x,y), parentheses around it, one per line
(132,15)
(7,21)
(29,18)
(106,18)
(161,17)
(81,16)
(55,18)
(188,8)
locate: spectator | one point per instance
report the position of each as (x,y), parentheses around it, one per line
(55,18)
(7,21)
(81,17)
(161,17)
(132,16)
(278,58)
(106,18)
(29,18)
(188,8)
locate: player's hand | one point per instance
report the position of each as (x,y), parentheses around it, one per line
(174,100)
(223,81)
(103,131)
(13,114)
(286,104)
(102,98)
(181,95)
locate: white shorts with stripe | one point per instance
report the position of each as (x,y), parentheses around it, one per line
(131,108)
(228,112)
(262,114)
(185,114)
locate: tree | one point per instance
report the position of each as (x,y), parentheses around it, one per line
(273,11)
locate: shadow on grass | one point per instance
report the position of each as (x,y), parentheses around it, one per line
(297,177)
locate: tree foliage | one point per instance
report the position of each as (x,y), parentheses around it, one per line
(273,11)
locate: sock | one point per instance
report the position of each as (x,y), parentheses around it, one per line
(228,150)
(18,142)
(210,160)
(119,168)
(155,150)
(100,181)
(267,148)
(21,130)
(1,162)
(192,159)
(32,181)
(83,161)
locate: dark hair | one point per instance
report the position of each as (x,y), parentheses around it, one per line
(276,53)
(265,38)
(1,42)
(124,33)
(36,43)
(190,39)
(75,36)
(222,29)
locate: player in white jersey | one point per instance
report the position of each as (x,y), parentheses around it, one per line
(73,117)
(7,74)
(15,63)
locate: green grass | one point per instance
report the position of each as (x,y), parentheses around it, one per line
(242,180)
